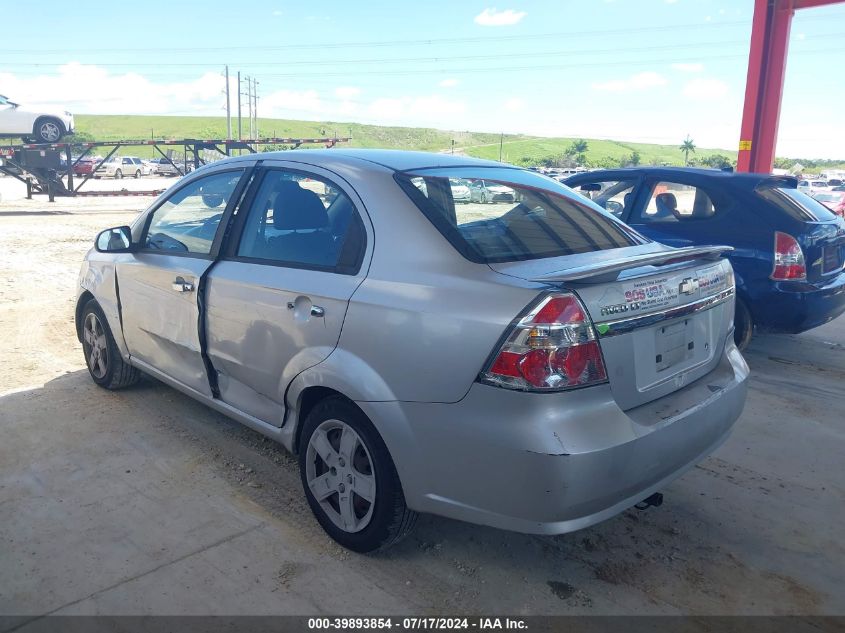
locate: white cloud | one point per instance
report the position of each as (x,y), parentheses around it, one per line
(449,83)
(640,81)
(689,68)
(514,104)
(494,17)
(347,92)
(277,13)
(280,102)
(430,109)
(705,89)
(671,1)
(88,88)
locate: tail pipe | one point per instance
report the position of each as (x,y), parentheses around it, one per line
(654,501)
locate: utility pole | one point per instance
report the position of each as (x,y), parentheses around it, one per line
(255,106)
(249,103)
(239,106)
(228,108)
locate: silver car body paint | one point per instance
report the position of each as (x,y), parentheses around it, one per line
(406,338)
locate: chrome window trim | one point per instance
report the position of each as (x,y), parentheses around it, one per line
(622,326)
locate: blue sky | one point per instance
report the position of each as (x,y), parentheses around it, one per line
(639,70)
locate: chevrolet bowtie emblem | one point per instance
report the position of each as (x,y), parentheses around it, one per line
(688,286)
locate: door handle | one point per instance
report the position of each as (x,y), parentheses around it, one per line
(316,311)
(180,285)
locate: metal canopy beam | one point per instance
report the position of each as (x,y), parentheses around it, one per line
(764,84)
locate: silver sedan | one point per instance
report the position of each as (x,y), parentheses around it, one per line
(530,363)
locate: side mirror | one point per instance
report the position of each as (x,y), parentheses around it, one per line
(614,207)
(590,186)
(116,240)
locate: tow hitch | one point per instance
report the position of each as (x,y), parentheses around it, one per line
(654,501)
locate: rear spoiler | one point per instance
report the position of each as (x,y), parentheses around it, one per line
(610,269)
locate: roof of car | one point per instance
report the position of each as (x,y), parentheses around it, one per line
(398,160)
(732,177)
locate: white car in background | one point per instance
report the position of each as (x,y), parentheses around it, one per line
(813,186)
(460,190)
(121,167)
(32,123)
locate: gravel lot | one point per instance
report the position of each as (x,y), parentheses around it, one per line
(143,501)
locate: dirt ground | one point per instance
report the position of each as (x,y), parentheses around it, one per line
(143,501)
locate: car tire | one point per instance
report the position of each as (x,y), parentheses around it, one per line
(102,357)
(48,130)
(137,173)
(363,525)
(118,175)
(743,324)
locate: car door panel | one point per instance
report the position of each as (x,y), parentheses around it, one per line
(14,120)
(257,342)
(268,321)
(159,320)
(158,284)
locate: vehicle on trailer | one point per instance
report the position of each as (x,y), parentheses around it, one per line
(789,250)
(121,167)
(538,366)
(34,124)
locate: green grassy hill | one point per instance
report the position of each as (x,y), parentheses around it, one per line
(119,127)
(524,150)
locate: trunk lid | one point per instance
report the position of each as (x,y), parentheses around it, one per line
(661,314)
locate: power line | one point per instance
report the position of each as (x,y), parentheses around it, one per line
(445,58)
(449,70)
(403,43)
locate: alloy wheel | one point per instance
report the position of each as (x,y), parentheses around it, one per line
(96,346)
(49,132)
(339,471)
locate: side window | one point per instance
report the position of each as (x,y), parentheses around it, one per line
(187,221)
(674,202)
(303,222)
(615,196)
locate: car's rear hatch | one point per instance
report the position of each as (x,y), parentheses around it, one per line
(821,233)
(662,315)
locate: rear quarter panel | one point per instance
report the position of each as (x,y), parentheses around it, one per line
(425,319)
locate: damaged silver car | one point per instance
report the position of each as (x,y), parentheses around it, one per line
(528,362)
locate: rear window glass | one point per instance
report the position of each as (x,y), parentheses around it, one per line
(512,214)
(797,204)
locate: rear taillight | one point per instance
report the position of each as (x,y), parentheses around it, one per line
(789,259)
(553,347)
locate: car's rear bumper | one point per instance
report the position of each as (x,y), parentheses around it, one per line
(554,463)
(799,306)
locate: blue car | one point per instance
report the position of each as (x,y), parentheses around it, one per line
(789,250)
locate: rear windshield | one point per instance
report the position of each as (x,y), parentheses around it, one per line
(797,204)
(512,214)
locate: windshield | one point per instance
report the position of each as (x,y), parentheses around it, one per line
(513,214)
(798,204)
